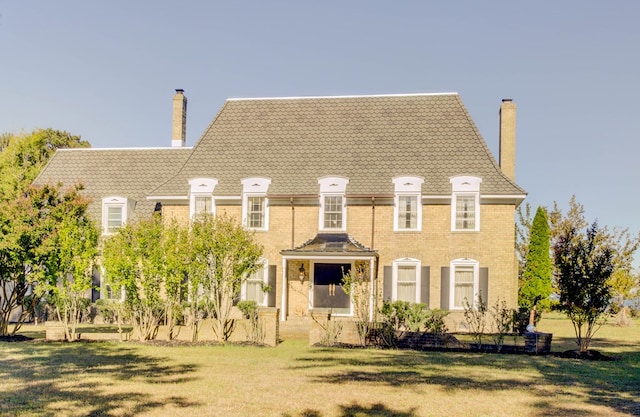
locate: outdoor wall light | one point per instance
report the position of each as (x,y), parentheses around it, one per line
(301,273)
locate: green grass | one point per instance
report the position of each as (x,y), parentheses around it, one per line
(295,380)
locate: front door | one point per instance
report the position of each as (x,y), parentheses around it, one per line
(327,288)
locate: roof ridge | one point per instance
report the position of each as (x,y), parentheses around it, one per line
(342,96)
(137,148)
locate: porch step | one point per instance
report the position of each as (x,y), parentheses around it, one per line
(295,327)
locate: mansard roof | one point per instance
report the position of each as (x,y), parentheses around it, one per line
(367,139)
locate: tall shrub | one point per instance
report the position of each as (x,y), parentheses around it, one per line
(584,264)
(536,283)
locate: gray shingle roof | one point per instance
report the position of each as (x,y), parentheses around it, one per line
(368,139)
(130,173)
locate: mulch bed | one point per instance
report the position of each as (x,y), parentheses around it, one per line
(589,355)
(16,338)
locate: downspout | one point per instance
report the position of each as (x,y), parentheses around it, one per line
(373,220)
(293,223)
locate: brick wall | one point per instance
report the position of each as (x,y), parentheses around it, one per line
(435,246)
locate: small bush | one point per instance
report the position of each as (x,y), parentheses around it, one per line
(501,322)
(405,316)
(435,322)
(255,331)
(248,308)
(475,318)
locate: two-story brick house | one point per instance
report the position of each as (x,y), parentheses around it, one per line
(399,188)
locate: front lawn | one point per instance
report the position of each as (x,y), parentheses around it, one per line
(295,380)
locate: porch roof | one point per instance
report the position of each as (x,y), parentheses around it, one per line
(331,244)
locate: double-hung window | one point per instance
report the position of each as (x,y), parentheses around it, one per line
(203,204)
(465,212)
(406,280)
(333,210)
(408,204)
(253,286)
(201,196)
(114,214)
(255,205)
(465,203)
(464,283)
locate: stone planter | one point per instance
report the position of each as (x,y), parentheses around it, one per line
(537,342)
(54,330)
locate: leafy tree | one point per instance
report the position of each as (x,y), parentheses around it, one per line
(223,255)
(584,264)
(619,240)
(72,262)
(175,262)
(133,259)
(23,156)
(536,283)
(29,231)
(562,223)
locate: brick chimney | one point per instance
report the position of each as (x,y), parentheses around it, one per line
(179,129)
(508,138)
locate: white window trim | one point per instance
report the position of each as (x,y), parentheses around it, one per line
(108,202)
(406,262)
(265,281)
(465,185)
(333,187)
(410,187)
(255,187)
(201,187)
(452,281)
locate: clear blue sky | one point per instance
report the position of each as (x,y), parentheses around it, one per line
(107,71)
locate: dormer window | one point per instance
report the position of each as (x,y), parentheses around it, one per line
(465,203)
(407,204)
(201,196)
(255,205)
(114,214)
(333,209)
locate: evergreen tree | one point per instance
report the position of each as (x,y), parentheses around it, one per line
(536,284)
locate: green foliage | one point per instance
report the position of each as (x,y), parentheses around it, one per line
(435,322)
(523,231)
(255,331)
(248,308)
(140,258)
(22,157)
(222,255)
(405,316)
(536,285)
(584,265)
(72,262)
(30,234)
